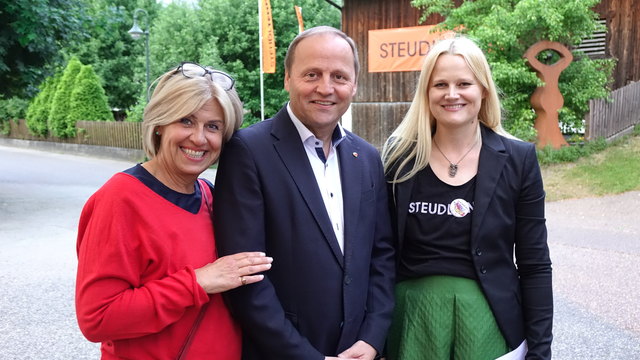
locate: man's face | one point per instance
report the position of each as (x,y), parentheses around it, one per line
(321,82)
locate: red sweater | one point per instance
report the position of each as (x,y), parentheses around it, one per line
(136,289)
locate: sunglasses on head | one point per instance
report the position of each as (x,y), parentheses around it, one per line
(192,70)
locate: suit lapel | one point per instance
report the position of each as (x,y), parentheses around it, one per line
(492,160)
(352,182)
(291,151)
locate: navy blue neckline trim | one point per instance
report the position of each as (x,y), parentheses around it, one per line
(188,202)
(336,139)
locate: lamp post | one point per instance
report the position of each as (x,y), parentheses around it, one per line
(136,32)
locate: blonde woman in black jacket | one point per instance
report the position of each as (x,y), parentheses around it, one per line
(474,273)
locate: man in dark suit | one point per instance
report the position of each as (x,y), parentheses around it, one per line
(312,196)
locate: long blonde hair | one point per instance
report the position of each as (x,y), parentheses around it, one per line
(410,142)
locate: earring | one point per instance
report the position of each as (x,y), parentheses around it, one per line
(158,133)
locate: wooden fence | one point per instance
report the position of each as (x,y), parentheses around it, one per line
(111,133)
(606,118)
(102,133)
(615,117)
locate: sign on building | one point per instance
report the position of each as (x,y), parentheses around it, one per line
(402,49)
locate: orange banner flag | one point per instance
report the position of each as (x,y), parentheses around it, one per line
(268,39)
(299,15)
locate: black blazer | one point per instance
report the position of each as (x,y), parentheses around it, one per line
(508,214)
(314,301)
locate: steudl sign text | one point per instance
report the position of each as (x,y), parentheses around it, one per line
(401,49)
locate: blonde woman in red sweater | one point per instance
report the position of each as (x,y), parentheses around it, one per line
(149,282)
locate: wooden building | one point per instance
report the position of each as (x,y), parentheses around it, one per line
(622,41)
(384,97)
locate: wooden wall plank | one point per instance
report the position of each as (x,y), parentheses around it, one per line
(623,38)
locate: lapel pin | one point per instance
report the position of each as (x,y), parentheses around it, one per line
(355,154)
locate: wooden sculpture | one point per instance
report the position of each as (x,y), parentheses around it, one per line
(547,100)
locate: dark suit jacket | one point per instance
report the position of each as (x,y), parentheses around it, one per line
(508,212)
(314,301)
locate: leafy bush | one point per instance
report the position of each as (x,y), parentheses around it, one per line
(40,106)
(135,113)
(88,99)
(505,29)
(584,80)
(59,123)
(11,109)
(549,155)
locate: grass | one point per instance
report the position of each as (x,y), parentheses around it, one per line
(614,169)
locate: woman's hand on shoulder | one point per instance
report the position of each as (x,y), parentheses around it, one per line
(229,272)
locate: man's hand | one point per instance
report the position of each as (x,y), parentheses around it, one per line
(360,350)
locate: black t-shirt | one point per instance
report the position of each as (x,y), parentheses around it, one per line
(438,229)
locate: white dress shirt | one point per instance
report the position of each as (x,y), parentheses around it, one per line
(326,171)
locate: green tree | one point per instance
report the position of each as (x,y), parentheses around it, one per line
(40,106)
(236,38)
(177,36)
(229,42)
(88,100)
(505,29)
(59,123)
(117,58)
(32,32)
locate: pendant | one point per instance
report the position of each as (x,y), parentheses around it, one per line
(453,170)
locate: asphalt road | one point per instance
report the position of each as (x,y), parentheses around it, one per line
(595,247)
(41,195)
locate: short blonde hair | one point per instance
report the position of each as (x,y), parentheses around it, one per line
(410,142)
(177,96)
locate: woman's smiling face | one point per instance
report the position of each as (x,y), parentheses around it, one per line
(190,145)
(455,95)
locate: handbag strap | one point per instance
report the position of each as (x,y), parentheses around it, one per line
(187,343)
(204,189)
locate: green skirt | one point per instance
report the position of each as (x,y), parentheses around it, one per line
(443,318)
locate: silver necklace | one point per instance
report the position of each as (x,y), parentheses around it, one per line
(453,168)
